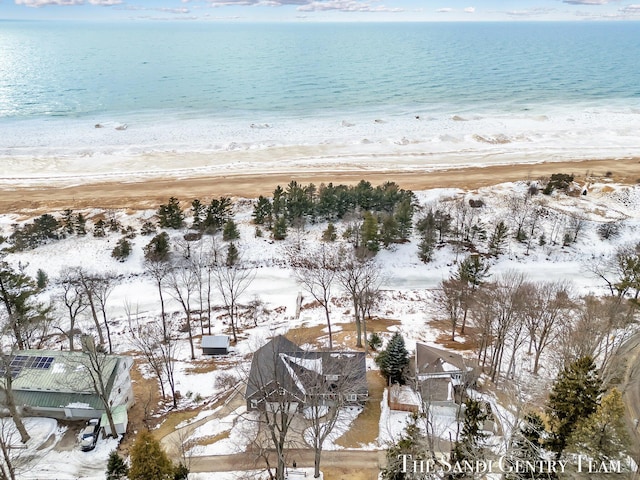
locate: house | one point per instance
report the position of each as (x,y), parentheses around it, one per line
(215,344)
(284,374)
(53,383)
(442,376)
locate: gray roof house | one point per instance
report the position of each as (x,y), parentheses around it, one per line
(442,375)
(281,372)
(54,383)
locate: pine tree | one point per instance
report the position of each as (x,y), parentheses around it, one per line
(280,229)
(574,396)
(41,279)
(157,250)
(603,435)
(329,234)
(148,460)
(369,232)
(527,447)
(117,469)
(412,442)
(122,250)
(262,212)
(230,231)
(68,225)
(470,446)
(170,215)
(498,239)
(232,255)
(197,211)
(99,228)
(394,360)
(80,224)
(388,230)
(404,218)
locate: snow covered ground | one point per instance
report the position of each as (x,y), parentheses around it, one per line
(407,296)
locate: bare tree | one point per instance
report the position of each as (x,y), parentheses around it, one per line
(182,284)
(327,394)
(90,283)
(159,270)
(159,351)
(449,300)
(104,285)
(361,279)
(316,270)
(12,458)
(7,376)
(232,281)
(97,366)
(74,299)
(547,309)
(277,407)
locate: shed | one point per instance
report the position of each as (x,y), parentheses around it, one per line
(215,344)
(120,419)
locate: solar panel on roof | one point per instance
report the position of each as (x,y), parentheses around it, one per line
(42,362)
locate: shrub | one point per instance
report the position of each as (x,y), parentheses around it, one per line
(375,342)
(122,250)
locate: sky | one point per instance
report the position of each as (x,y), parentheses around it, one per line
(321,10)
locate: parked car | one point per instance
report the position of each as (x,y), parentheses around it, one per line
(89,435)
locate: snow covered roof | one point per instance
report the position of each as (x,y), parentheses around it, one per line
(57,379)
(281,363)
(215,341)
(431,360)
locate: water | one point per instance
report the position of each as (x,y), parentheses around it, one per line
(481,90)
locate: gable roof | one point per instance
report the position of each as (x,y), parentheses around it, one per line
(281,363)
(54,378)
(431,360)
(215,341)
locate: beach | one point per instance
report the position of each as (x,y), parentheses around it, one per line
(121,190)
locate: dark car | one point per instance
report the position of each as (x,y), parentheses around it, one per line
(89,435)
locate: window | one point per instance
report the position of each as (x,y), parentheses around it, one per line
(254,403)
(352,397)
(331,378)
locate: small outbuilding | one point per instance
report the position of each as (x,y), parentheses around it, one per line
(215,344)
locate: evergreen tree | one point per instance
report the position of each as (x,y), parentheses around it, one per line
(394,360)
(197,211)
(148,460)
(148,228)
(574,396)
(99,228)
(232,255)
(218,213)
(280,229)
(117,469)
(498,239)
(404,218)
(329,234)
(388,230)
(369,233)
(68,224)
(412,442)
(527,447)
(181,472)
(80,224)
(157,250)
(277,206)
(426,247)
(470,446)
(170,215)
(262,212)
(230,231)
(41,279)
(603,435)
(122,250)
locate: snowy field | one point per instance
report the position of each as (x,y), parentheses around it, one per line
(407,295)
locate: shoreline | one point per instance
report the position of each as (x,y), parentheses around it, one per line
(147,192)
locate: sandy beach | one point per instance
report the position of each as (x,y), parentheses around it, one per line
(136,191)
